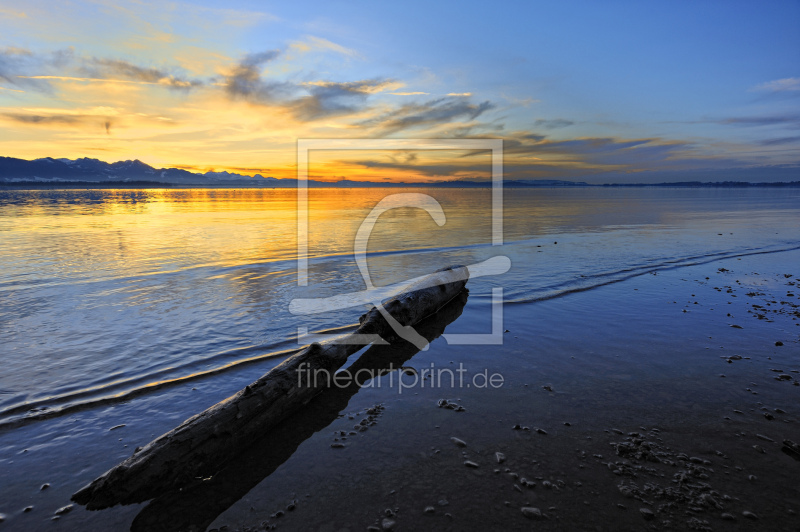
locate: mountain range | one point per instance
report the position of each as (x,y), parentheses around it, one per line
(85,172)
(51,171)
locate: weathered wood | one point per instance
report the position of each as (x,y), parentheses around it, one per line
(197,505)
(232,423)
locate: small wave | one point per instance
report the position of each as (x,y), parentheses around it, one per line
(126,388)
(590,282)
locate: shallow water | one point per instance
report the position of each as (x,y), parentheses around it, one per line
(105,293)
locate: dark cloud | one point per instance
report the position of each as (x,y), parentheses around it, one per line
(42,119)
(782,120)
(433,112)
(245,83)
(569,159)
(331,98)
(588,146)
(780,141)
(430,170)
(534,136)
(553,124)
(119,69)
(92,121)
(19,67)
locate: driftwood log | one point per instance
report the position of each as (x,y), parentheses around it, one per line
(201,442)
(197,505)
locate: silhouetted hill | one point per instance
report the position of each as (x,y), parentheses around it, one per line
(94,172)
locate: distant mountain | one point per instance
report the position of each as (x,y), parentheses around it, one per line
(49,170)
(93,172)
(54,171)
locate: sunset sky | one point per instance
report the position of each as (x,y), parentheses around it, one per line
(590,91)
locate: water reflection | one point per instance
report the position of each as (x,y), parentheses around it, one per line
(149,285)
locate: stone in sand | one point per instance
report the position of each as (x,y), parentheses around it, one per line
(458,442)
(470,463)
(500,457)
(531,513)
(647,513)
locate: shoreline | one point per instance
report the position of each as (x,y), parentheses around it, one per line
(622,358)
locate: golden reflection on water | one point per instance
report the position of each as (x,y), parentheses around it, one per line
(162,230)
(78,233)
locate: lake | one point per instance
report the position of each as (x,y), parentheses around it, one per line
(105,293)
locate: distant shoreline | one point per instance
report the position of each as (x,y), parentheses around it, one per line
(139,185)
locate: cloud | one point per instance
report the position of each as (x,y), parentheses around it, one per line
(370,86)
(244,81)
(553,124)
(68,119)
(433,112)
(116,68)
(333,98)
(318,43)
(408,93)
(530,155)
(779,85)
(462,94)
(787,120)
(323,98)
(429,170)
(6,12)
(26,69)
(780,141)
(17,63)
(533,136)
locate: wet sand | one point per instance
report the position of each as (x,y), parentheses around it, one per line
(660,402)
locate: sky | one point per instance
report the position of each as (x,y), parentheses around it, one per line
(584,91)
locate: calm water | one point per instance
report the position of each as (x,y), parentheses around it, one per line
(105,292)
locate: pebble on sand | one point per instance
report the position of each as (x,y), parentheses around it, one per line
(749,515)
(470,463)
(500,457)
(64,510)
(647,513)
(531,513)
(429,510)
(458,442)
(388,524)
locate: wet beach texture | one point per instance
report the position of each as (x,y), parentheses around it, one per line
(660,402)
